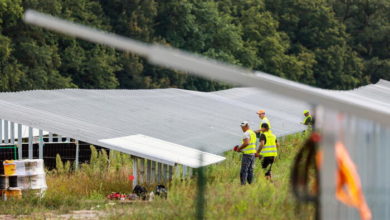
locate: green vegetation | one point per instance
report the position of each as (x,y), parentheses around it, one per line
(225,198)
(334,44)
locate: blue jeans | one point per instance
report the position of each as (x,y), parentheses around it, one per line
(246,174)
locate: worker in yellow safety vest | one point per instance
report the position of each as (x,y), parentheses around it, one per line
(263,119)
(267,151)
(308,120)
(248,148)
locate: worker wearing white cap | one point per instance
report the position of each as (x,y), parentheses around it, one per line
(248,148)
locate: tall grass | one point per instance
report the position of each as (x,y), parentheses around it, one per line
(225,198)
(70,189)
(104,174)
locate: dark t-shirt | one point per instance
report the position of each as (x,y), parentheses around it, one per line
(263,138)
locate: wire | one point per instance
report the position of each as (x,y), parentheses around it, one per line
(301,177)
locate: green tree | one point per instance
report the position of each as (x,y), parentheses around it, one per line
(312,25)
(337,44)
(368,24)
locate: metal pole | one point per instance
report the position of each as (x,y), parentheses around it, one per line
(40,144)
(177,171)
(184,171)
(76,161)
(201,190)
(20,141)
(190,171)
(170,172)
(165,173)
(142,171)
(1,131)
(148,171)
(153,173)
(30,143)
(12,133)
(135,172)
(50,137)
(6,138)
(328,202)
(159,172)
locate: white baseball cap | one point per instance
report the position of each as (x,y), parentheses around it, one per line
(244,123)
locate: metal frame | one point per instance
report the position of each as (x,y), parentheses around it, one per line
(10,139)
(154,172)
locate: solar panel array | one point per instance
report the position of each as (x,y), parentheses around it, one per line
(199,120)
(204,121)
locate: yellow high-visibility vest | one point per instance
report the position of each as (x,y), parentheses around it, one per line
(265,120)
(269,149)
(251,148)
(307,117)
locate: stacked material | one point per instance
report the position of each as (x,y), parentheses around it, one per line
(22,175)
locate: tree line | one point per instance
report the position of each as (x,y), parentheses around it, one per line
(333,44)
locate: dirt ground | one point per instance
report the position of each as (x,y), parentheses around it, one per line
(80,214)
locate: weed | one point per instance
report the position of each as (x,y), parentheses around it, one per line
(225,198)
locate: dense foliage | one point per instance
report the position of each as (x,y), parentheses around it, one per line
(337,44)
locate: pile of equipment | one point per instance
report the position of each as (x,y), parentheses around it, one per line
(17,176)
(140,193)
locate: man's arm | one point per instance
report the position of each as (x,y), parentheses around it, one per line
(244,144)
(261,146)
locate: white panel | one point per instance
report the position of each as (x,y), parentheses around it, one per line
(24,132)
(164,150)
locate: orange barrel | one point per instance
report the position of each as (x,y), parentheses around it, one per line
(13,193)
(9,168)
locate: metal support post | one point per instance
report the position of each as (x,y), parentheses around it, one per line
(50,137)
(190,172)
(20,141)
(165,173)
(40,144)
(177,171)
(1,131)
(12,133)
(153,173)
(170,172)
(6,138)
(30,143)
(159,173)
(148,171)
(135,172)
(327,201)
(76,161)
(142,171)
(184,171)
